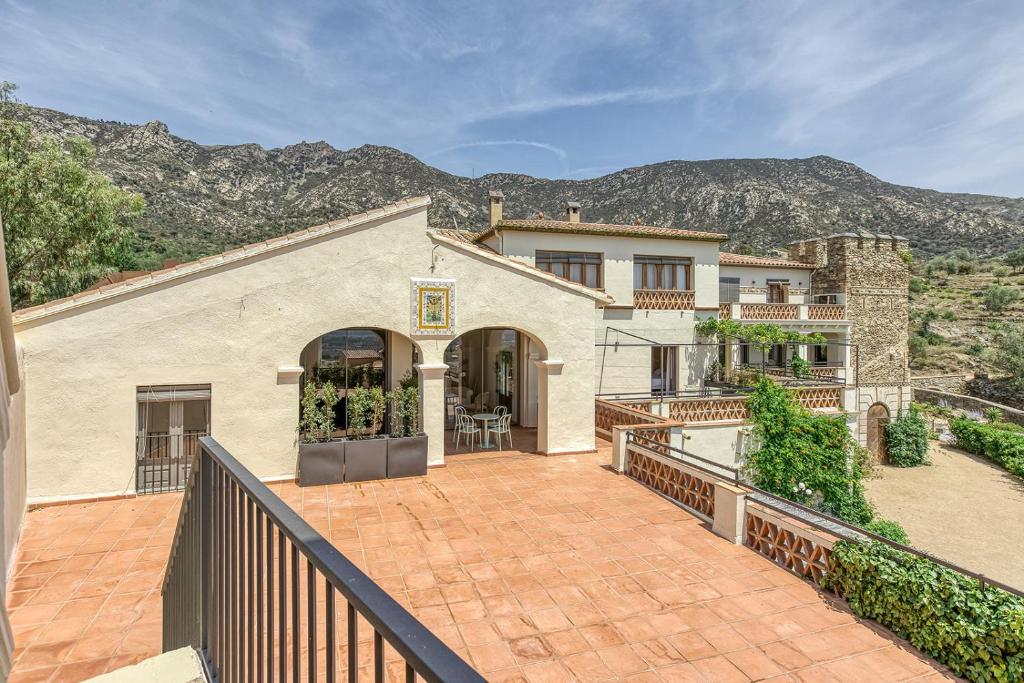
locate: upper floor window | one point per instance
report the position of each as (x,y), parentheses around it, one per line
(661,272)
(778,291)
(728,289)
(577,266)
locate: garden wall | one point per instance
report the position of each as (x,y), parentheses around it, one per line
(977,406)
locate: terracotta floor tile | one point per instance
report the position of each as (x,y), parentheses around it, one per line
(720,670)
(622,660)
(492,656)
(535,568)
(754,663)
(566,642)
(530,649)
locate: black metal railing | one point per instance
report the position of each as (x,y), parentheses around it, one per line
(163,461)
(709,467)
(254,589)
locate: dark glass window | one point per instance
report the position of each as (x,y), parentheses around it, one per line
(661,272)
(579,267)
(729,289)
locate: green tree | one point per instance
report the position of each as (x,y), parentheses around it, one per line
(1007,353)
(997,297)
(65,224)
(1015,259)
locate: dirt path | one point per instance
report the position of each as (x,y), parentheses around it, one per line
(960,508)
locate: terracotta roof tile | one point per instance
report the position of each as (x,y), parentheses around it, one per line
(726,258)
(617,230)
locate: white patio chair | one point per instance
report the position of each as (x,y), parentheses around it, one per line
(503,425)
(500,410)
(459,411)
(467,428)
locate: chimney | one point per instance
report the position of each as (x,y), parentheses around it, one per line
(494,200)
(572,212)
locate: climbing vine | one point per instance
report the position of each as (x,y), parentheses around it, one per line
(762,334)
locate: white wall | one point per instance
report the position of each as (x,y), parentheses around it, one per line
(233,326)
(756,276)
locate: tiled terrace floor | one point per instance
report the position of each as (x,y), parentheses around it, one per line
(533,568)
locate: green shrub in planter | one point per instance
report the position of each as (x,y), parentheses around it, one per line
(887,528)
(1003,447)
(906,439)
(978,633)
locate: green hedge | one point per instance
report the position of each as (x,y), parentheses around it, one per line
(906,439)
(1003,447)
(977,633)
(894,531)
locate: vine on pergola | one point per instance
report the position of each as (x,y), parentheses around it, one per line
(763,335)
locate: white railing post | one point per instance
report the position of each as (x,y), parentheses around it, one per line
(620,453)
(730,512)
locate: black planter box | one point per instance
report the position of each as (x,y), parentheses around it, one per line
(366,459)
(321,463)
(407,456)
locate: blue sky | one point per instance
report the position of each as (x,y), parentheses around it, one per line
(923,93)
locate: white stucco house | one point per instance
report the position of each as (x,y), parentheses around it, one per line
(536,316)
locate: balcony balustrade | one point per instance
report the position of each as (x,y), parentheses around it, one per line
(663,299)
(782,312)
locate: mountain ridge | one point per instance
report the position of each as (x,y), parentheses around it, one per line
(202,198)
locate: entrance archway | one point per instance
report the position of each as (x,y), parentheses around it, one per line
(495,369)
(877,418)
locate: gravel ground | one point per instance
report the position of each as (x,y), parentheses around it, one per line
(959,508)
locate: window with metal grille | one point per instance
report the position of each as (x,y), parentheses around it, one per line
(580,267)
(729,290)
(170,419)
(661,272)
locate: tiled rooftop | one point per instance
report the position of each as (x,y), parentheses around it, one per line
(612,229)
(533,568)
(726,258)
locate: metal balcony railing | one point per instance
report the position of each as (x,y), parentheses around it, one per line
(255,589)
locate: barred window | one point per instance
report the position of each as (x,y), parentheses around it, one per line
(579,267)
(661,272)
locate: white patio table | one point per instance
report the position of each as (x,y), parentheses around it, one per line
(486,419)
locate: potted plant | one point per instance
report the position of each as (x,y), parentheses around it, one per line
(407,446)
(366,454)
(321,459)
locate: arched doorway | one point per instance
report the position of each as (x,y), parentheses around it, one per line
(877,418)
(492,369)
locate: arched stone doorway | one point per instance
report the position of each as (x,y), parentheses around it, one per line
(877,418)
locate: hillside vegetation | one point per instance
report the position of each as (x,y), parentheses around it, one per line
(960,308)
(201,199)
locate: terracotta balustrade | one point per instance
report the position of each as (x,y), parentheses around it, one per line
(826,312)
(663,299)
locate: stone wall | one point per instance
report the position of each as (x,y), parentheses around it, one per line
(870,271)
(955,383)
(975,407)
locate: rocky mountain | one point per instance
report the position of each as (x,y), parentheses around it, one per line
(202,199)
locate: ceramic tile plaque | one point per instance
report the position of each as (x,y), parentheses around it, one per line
(433,307)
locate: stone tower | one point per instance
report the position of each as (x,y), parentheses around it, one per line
(870,274)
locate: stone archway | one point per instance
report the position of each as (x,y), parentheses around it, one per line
(877,418)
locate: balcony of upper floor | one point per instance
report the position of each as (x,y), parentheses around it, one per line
(824,308)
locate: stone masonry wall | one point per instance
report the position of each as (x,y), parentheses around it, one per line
(871,272)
